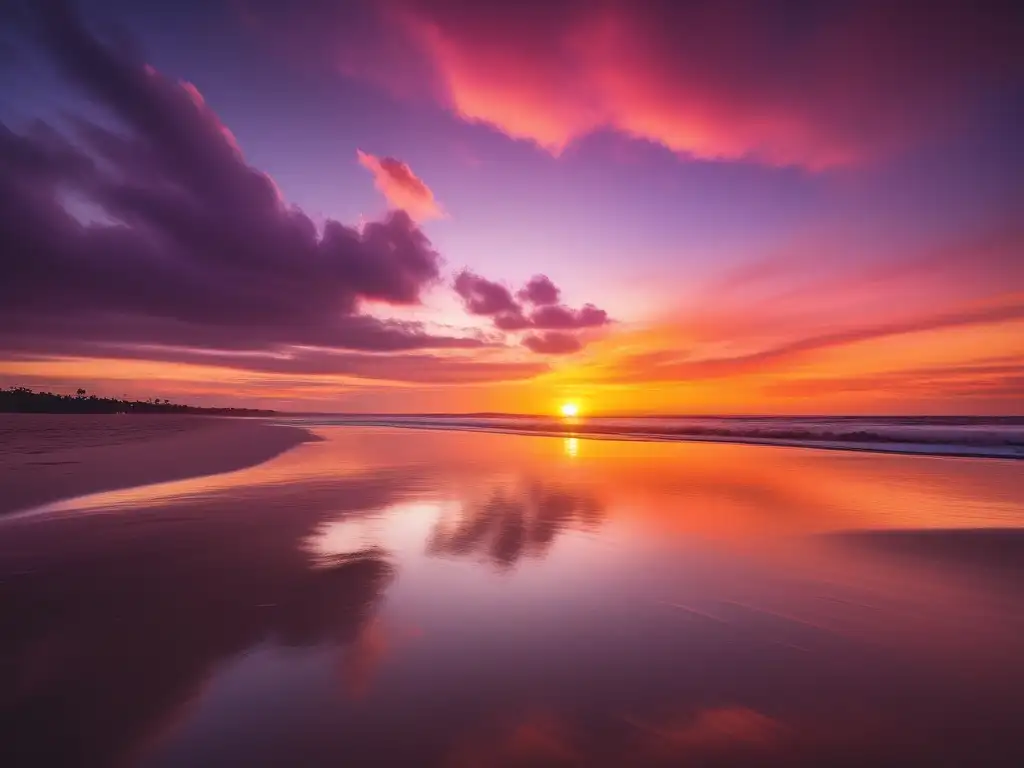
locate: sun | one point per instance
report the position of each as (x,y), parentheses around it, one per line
(570,410)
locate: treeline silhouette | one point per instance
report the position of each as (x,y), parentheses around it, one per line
(25,400)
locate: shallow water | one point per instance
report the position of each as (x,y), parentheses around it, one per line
(391,597)
(974,436)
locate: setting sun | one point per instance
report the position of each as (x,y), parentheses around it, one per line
(570,410)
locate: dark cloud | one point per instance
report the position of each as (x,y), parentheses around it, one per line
(185,243)
(553,343)
(540,291)
(482,296)
(511,321)
(563,318)
(494,300)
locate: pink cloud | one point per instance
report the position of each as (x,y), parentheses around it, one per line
(736,80)
(540,291)
(402,188)
(664,365)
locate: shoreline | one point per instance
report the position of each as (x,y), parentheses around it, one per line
(46,458)
(896,448)
(49,458)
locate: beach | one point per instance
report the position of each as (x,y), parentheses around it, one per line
(454,384)
(46,457)
(396,597)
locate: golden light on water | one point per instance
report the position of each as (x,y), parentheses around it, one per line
(570,410)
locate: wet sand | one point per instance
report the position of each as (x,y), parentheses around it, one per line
(48,457)
(442,599)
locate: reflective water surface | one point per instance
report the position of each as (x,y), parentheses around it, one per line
(389,597)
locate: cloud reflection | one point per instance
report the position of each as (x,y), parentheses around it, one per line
(515,522)
(711,733)
(114,622)
(541,737)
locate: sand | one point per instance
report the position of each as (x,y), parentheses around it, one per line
(49,457)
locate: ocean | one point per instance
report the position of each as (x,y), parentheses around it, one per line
(977,436)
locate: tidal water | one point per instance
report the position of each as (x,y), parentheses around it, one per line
(972,436)
(448,598)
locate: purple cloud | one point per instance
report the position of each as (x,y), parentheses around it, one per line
(484,297)
(559,317)
(553,343)
(489,299)
(512,321)
(540,291)
(189,246)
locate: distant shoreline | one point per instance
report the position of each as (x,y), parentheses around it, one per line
(25,400)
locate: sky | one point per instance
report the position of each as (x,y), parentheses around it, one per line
(447,205)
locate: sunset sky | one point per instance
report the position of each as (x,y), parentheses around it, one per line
(448,205)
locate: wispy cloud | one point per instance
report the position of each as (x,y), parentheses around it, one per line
(739,80)
(402,188)
(663,365)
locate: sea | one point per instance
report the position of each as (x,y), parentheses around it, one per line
(973,436)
